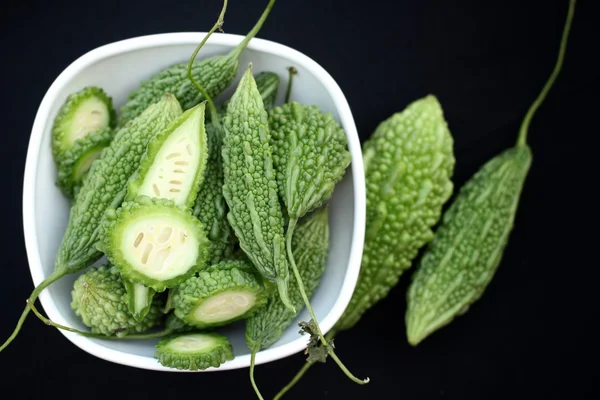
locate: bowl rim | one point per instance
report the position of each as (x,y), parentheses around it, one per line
(186,38)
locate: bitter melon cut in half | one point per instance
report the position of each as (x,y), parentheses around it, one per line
(174,164)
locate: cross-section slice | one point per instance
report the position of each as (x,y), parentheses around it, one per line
(155,243)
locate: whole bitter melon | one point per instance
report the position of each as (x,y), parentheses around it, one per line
(210,207)
(409,162)
(250,188)
(462,259)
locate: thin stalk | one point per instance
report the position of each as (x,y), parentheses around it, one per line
(56,275)
(240,47)
(292,71)
(211,105)
(302,290)
(252,361)
(522,140)
(96,335)
(330,335)
(295,380)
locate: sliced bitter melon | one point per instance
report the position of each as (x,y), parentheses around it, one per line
(221,294)
(154,242)
(174,164)
(76,161)
(194,351)
(138,299)
(85,111)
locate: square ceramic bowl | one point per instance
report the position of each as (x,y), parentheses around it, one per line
(118,68)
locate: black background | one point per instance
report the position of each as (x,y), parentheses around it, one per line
(530,334)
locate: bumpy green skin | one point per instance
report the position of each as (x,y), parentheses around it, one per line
(69,162)
(98,298)
(409,162)
(149,158)
(215,74)
(309,155)
(268,85)
(105,185)
(310,247)
(250,188)
(219,353)
(210,206)
(463,257)
(141,207)
(222,277)
(67,111)
(131,298)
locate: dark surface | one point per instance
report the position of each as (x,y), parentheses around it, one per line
(531,333)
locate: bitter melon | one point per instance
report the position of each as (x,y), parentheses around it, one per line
(75,162)
(154,242)
(409,162)
(250,188)
(82,128)
(310,155)
(98,298)
(211,208)
(462,259)
(87,110)
(219,295)
(138,299)
(194,351)
(174,163)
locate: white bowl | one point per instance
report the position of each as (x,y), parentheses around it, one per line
(118,68)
